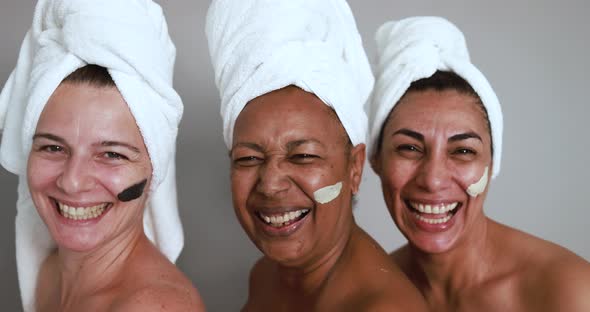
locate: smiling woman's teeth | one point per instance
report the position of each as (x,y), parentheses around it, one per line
(426,210)
(81,213)
(284,219)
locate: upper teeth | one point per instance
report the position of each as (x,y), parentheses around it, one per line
(277,220)
(435,209)
(81,213)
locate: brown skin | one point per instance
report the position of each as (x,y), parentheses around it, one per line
(472,263)
(288,144)
(105,264)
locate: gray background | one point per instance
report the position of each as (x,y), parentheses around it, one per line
(535,54)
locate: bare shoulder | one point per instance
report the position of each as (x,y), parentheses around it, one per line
(552,278)
(562,280)
(160,298)
(385,287)
(153,283)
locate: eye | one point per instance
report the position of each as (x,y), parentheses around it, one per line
(51,148)
(303,158)
(248,161)
(464,151)
(115,156)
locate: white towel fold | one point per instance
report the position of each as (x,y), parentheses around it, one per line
(130,38)
(259,46)
(415,48)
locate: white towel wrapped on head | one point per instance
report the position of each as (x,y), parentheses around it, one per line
(130,38)
(415,48)
(259,46)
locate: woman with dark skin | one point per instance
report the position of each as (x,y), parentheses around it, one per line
(433,153)
(292,97)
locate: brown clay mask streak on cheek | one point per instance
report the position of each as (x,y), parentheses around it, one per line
(132,192)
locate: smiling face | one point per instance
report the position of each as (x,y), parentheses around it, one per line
(435,144)
(288,145)
(86,150)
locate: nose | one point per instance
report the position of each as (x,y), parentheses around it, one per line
(76,177)
(433,174)
(272,179)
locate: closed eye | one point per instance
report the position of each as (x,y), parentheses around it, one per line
(303,158)
(115,156)
(248,161)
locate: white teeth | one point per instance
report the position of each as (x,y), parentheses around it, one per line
(432,221)
(81,213)
(434,209)
(280,220)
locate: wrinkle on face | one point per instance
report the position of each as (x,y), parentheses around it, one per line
(290,140)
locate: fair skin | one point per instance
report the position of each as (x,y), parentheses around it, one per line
(435,144)
(287,144)
(86,150)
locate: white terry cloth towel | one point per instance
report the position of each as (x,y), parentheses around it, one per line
(415,48)
(130,38)
(258,46)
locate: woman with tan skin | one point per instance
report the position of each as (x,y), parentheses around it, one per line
(297,153)
(435,139)
(97,225)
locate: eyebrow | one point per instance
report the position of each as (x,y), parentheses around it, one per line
(116,143)
(465,136)
(253,146)
(410,133)
(293,144)
(49,136)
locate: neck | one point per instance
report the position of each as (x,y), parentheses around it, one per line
(88,272)
(449,274)
(308,278)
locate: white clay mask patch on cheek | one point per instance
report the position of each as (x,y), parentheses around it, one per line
(478,187)
(328,193)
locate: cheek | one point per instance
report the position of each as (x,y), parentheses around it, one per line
(468,175)
(242,184)
(42,173)
(118,179)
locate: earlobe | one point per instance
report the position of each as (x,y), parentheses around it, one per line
(357,159)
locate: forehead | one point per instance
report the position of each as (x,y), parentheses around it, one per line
(94,112)
(289,114)
(449,109)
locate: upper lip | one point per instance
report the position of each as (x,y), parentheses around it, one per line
(79,204)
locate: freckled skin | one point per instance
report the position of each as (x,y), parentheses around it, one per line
(476,264)
(108,265)
(329,263)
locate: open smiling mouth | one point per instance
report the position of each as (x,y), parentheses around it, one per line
(81,213)
(283,219)
(433,214)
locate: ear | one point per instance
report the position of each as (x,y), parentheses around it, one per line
(357,162)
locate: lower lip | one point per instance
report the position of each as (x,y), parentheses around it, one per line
(282,231)
(87,222)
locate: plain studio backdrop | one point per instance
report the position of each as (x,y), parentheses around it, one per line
(534,53)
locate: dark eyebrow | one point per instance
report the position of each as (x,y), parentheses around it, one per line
(116,143)
(464,136)
(49,136)
(410,133)
(293,144)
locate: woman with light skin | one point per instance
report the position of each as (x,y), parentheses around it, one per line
(90,157)
(89,119)
(297,153)
(437,130)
